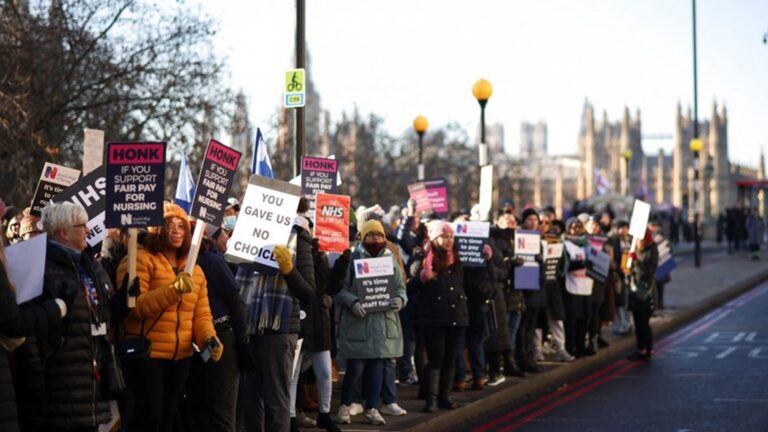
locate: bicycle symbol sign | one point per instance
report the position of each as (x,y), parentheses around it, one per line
(294,96)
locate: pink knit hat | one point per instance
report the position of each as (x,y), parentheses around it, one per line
(437,228)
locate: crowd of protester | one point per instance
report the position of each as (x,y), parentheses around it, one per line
(449,328)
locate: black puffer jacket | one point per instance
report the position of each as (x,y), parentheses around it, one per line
(505,264)
(57,384)
(17,322)
(316,326)
(441,300)
(301,280)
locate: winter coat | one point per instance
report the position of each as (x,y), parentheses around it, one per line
(223,293)
(503,259)
(171,320)
(755,230)
(498,339)
(577,306)
(18,322)
(441,300)
(407,238)
(56,382)
(554,283)
(316,326)
(643,283)
(301,280)
(377,335)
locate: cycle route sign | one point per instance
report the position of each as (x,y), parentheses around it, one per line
(294,95)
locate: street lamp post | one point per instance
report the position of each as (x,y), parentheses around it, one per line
(696,146)
(627,155)
(482,91)
(420,125)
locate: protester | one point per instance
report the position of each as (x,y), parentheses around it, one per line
(172,311)
(368,340)
(12,222)
(642,284)
(554,290)
(30,227)
(661,282)
(619,248)
(212,388)
(273,304)
(442,311)
(528,350)
(62,378)
(578,289)
(594,230)
(755,232)
(16,323)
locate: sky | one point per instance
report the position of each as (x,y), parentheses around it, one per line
(403,58)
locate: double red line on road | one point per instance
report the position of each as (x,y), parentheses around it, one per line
(551,401)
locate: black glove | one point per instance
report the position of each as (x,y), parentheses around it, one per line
(245,360)
(134,288)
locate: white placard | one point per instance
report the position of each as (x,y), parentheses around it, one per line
(93,150)
(639,221)
(26,267)
(527,242)
(553,250)
(486,191)
(374,267)
(472,229)
(265,220)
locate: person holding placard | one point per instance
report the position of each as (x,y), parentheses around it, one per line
(16,323)
(641,294)
(578,288)
(618,245)
(368,339)
(63,379)
(172,312)
(442,311)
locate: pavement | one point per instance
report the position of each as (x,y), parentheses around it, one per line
(692,293)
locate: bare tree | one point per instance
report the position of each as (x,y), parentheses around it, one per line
(137,70)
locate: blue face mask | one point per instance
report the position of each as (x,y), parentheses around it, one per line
(229,222)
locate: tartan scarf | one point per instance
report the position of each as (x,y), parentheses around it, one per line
(268,304)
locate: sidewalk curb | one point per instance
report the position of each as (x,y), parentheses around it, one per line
(562,376)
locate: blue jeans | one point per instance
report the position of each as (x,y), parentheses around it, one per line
(389,389)
(373,369)
(513,324)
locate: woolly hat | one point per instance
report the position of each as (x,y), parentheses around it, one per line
(371,226)
(437,228)
(528,212)
(172,210)
(30,225)
(583,217)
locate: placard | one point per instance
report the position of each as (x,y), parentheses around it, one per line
(53,180)
(437,193)
(135,183)
(265,220)
(318,175)
(93,149)
(26,267)
(600,263)
(419,193)
(641,211)
(90,193)
(553,254)
(667,261)
(471,237)
(527,245)
(332,222)
(375,282)
(527,242)
(213,183)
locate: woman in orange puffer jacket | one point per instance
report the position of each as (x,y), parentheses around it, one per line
(172,311)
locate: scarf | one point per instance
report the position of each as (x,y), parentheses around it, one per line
(268,304)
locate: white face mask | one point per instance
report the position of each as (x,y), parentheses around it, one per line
(229,222)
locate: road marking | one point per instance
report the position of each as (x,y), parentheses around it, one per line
(725,353)
(738,400)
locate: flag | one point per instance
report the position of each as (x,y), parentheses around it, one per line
(601,183)
(260,164)
(185,187)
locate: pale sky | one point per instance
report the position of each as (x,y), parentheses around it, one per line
(403,58)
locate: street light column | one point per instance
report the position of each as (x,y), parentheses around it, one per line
(696,146)
(420,125)
(482,91)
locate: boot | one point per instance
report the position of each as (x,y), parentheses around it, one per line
(591,347)
(529,364)
(510,366)
(324,421)
(433,388)
(444,390)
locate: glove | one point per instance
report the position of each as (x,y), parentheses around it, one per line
(133,290)
(487,252)
(633,256)
(396,304)
(245,361)
(283,258)
(183,282)
(358,310)
(218,351)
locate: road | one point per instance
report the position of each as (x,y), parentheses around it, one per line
(711,375)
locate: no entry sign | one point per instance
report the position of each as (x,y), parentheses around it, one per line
(135,181)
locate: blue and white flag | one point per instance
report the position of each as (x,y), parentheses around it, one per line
(260,164)
(185,187)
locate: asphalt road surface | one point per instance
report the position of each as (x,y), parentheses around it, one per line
(711,375)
